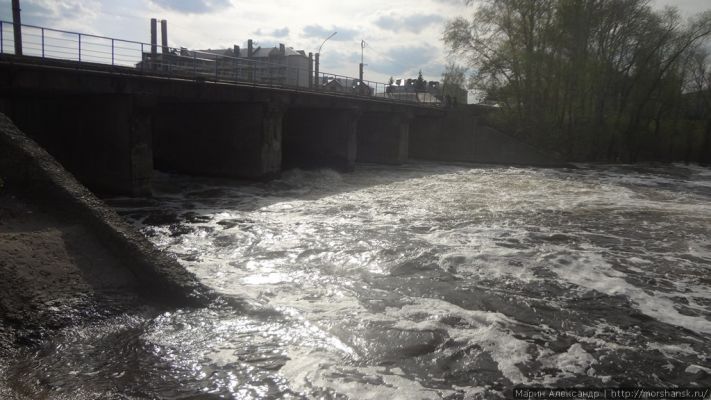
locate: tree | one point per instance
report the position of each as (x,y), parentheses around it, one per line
(590,79)
(454,82)
(420,83)
(700,95)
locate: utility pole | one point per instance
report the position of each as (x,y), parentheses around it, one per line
(17,26)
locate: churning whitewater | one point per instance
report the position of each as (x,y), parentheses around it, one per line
(424,281)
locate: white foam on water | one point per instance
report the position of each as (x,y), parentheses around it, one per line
(575,361)
(702,250)
(672,350)
(588,269)
(303,256)
(484,252)
(637,260)
(307,370)
(694,369)
(490,330)
(604,330)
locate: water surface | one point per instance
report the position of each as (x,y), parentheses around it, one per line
(424,281)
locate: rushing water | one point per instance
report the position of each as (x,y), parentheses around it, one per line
(416,282)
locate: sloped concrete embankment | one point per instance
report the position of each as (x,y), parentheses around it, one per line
(81,239)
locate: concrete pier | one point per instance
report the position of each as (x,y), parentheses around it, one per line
(320,138)
(383,137)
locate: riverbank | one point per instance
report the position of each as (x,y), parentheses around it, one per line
(56,273)
(65,257)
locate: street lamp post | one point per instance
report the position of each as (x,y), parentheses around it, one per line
(360,69)
(318,57)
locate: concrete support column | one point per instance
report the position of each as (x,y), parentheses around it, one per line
(316,138)
(271,145)
(141,148)
(112,153)
(223,139)
(384,137)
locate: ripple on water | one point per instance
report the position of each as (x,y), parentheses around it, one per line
(421,281)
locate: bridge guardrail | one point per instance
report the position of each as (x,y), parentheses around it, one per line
(56,44)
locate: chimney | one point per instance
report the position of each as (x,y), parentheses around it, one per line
(164,35)
(311,69)
(316,71)
(282,49)
(250,48)
(154,38)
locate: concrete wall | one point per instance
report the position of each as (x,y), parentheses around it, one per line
(458,136)
(106,124)
(320,138)
(226,139)
(383,137)
(104,140)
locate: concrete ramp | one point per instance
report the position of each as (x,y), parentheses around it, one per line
(29,171)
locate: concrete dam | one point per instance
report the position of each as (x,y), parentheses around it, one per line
(112,126)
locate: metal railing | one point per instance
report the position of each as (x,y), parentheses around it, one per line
(291,72)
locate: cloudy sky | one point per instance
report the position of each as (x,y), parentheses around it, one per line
(402,36)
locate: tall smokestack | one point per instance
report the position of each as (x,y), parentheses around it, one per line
(164,35)
(317,78)
(250,48)
(17,26)
(311,69)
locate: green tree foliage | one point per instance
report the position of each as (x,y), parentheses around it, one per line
(454,82)
(591,79)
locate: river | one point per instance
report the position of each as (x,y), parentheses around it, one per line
(423,281)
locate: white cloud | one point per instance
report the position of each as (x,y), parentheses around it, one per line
(193,6)
(687,8)
(403,36)
(301,25)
